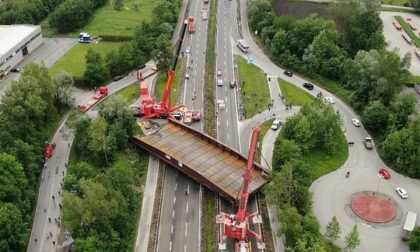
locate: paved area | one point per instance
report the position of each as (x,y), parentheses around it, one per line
(395,40)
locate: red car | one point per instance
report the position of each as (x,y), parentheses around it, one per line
(384,173)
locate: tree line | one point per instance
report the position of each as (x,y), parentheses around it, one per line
(349,51)
(26,11)
(29,113)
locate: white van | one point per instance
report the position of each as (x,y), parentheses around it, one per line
(276,124)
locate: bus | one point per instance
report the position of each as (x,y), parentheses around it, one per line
(242,45)
(407,38)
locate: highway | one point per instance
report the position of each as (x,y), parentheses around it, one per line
(180,226)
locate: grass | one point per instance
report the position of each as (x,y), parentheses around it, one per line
(293,94)
(130,93)
(210,226)
(74,60)
(408,30)
(396,9)
(395,2)
(255,94)
(176,84)
(210,65)
(265,127)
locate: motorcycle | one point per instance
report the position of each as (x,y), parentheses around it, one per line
(347,174)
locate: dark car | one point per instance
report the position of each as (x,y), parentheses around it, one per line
(232,84)
(142,66)
(118,77)
(288,73)
(15,70)
(308,85)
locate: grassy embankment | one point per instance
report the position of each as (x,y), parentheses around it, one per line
(265,127)
(255,94)
(408,30)
(394,2)
(162,78)
(293,94)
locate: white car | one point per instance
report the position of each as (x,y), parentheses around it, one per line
(402,192)
(356,122)
(219,72)
(188,50)
(276,124)
(329,99)
(187,76)
(219,82)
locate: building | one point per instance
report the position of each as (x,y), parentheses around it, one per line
(16,41)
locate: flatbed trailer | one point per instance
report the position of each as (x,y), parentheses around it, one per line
(203,158)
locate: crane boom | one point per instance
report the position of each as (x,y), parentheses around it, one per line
(247,176)
(166,95)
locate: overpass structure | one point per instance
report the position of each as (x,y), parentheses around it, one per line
(201,157)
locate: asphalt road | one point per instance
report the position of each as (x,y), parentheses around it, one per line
(180,225)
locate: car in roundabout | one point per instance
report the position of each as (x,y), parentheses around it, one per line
(384,173)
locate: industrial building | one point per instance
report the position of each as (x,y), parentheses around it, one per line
(16,41)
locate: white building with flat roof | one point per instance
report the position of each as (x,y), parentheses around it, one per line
(16,41)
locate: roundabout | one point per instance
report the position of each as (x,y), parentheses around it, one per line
(373,207)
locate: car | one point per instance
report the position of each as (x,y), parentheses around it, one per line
(328,99)
(356,122)
(204,15)
(118,77)
(177,115)
(308,85)
(384,173)
(219,82)
(187,76)
(276,124)
(15,70)
(397,25)
(232,84)
(219,72)
(368,142)
(188,50)
(142,66)
(402,192)
(288,73)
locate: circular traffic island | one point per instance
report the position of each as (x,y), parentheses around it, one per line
(373,207)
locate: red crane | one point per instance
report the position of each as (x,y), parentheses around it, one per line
(148,107)
(237,226)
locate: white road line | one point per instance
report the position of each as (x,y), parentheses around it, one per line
(185,247)
(228,136)
(186,228)
(172,229)
(173,213)
(186,209)
(174,199)
(176,186)
(170,246)
(227,123)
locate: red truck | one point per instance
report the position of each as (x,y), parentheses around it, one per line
(49,150)
(191,28)
(103,92)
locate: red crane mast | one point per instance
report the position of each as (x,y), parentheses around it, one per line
(237,226)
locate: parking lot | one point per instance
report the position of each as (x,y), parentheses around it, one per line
(395,40)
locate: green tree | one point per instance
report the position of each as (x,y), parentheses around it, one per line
(375,116)
(118,4)
(78,171)
(414,241)
(96,72)
(291,224)
(352,239)
(284,150)
(63,84)
(401,109)
(333,231)
(71,14)
(116,110)
(12,180)
(99,141)
(12,229)
(79,123)
(415,4)
(162,54)
(283,187)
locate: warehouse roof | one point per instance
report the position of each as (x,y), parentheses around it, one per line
(11,35)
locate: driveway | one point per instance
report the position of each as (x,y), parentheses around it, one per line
(395,40)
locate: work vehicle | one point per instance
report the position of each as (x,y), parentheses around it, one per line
(148,107)
(191,28)
(328,99)
(368,142)
(85,37)
(308,85)
(242,45)
(101,94)
(219,82)
(397,25)
(356,122)
(276,124)
(402,192)
(411,24)
(409,225)
(288,73)
(49,150)
(232,84)
(384,173)
(236,226)
(192,116)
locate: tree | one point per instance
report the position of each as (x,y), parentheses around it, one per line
(352,239)
(414,241)
(375,116)
(71,14)
(12,229)
(401,109)
(284,150)
(333,231)
(415,4)
(12,180)
(162,54)
(99,142)
(63,84)
(283,187)
(291,224)
(118,4)
(96,72)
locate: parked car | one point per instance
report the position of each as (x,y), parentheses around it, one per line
(288,73)
(384,173)
(328,99)
(402,192)
(308,85)
(356,122)
(276,124)
(232,84)
(368,142)
(219,72)
(219,82)
(118,77)
(15,70)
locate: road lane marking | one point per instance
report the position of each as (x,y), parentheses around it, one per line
(172,229)
(227,123)
(228,136)
(173,213)
(170,246)
(176,186)
(186,228)
(174,199)
(186,209)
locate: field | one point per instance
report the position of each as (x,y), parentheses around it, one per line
(74,60)
(396,2)
(293,94)
(255,94)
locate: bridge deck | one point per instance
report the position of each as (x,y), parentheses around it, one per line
(201,157)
